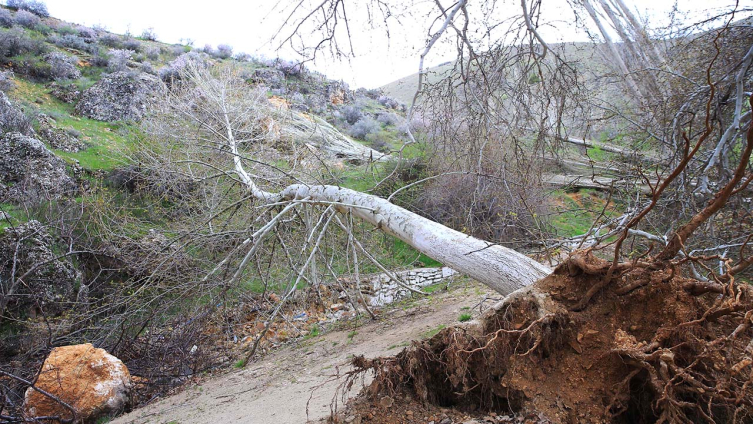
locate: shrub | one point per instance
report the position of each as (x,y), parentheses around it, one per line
(6,81)
(148,68)
(118,60)
(364,127)
(372,93)
(388,102)
(243,57)
(15,42)
(132,44)
(289,68)
(100,60)
(86,32)
(149,34)
(172,72)
(6,20)
(62,66)
(379,141)
(208,49)
(26,19)
(111,40)
(152,53)
(388,118)
(72,42)
(38,8)
(15,4)
(224,51)
(352,113)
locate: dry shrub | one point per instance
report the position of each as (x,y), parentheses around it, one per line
(489,208)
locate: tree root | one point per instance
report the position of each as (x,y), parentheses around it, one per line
(656,347)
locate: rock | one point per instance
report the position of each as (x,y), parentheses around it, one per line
(386,402)
(66,93)
(30,171)
(56,137)
(121,95)
(13,119)
(93,382)
(49,286)
(336,306)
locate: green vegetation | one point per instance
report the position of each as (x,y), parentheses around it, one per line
(465,317)
(433,332)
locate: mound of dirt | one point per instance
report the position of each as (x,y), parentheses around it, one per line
(652,346)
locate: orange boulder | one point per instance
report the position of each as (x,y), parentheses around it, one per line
(89,379)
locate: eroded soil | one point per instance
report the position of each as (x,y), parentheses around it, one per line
(278,388)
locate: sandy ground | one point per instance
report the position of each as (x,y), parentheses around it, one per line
(277,388)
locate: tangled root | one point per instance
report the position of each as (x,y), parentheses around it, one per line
(651,347)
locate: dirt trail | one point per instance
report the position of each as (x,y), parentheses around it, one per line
(277,388)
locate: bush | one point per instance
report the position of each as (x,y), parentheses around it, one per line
(352,113)
(118,60)
(389,102)
(38,8)
(208,49)
(73,42)
(388,118)
(364,127)
(149,34)
(27,19)
(132,44)
(6,81)
(289,68)
(6,20)
(62,66)
(148,68)
(100,60)
(15,41)
(86,32)
(172,72)
(224,51)
(111,40)
(152,53)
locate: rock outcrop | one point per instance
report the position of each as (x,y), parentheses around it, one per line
(30,171)
(121,95)
(56,137)
(13,119)
(67,93)
(93,382)
(48,280)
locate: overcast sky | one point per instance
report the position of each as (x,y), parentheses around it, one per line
(249,25)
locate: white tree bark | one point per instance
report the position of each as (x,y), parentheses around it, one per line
(500,268)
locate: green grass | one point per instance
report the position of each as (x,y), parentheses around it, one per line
(433,332)
(465,317)
(239,363)
(314,332)
(574,213)
(106,142)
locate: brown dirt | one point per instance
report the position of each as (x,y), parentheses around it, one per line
(277,388)
(655,353)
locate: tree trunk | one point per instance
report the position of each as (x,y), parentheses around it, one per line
(500,268)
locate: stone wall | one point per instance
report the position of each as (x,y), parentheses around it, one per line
(381,290)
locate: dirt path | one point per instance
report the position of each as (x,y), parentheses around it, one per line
(277,388)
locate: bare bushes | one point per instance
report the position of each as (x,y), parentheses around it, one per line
(506,210)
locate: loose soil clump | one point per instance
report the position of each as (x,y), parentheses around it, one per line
(652,346)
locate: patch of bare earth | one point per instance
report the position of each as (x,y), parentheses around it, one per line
(278,388)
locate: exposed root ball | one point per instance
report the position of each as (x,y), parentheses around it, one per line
(651,347)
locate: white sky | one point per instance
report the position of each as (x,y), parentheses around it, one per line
(249,25)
